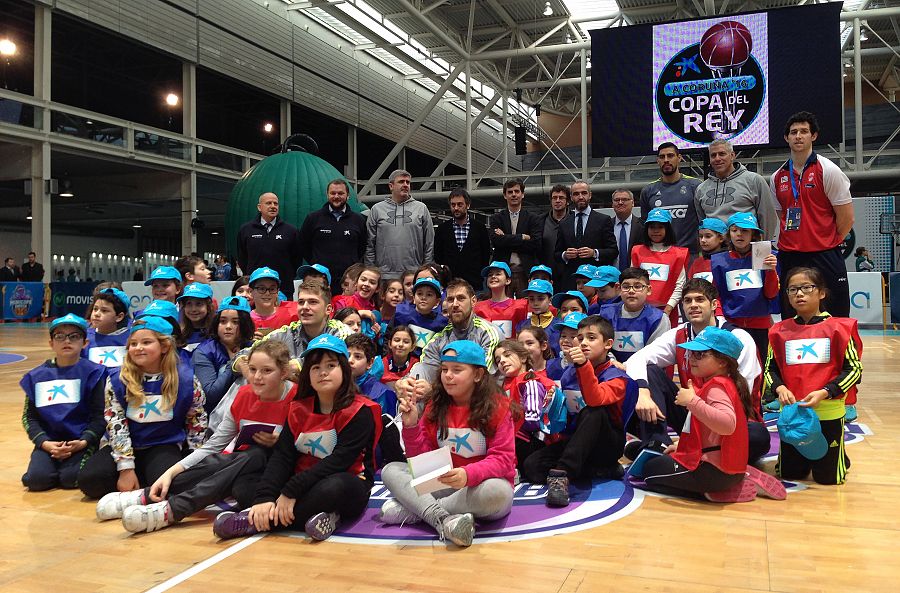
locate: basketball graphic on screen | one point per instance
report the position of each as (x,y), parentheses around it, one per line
(726,45)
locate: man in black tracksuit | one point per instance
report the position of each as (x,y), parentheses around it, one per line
(334,236)
(269,241)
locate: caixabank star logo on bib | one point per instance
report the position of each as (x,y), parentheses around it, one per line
(591,505)
(710,82)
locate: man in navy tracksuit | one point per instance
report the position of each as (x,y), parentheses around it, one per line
(269,241)
(334,236)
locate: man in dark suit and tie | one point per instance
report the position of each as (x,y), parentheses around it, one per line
(628,229)
(9,272)
(461,243)
(585,236)
(516,235)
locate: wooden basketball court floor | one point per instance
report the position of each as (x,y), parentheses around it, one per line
(843,538)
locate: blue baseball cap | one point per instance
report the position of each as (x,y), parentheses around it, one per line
(302,271)
(327,342)
(157,324)
(572,320)
(714,224)
(799,427)
(264,272)
(499,265)
(659,215)
(744,220)
(466,352)
(163,273)
(197,290)
(163,309)
(430,283)
(715,338)
(559,297)
(235,303)
(540,268)
(604,276)
(586,270)
(70,319)
(540,287)
(123,298)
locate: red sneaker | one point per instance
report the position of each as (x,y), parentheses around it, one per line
(766,484)
(744,491)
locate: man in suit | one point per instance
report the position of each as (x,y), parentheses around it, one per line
(9,272)
(628,228)
(585,236)
(462,244)
(559,207)
(516,235)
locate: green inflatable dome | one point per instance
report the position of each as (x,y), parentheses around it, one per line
(298,178)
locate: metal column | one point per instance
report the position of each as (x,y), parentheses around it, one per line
(40,152)
(857,98)
(189,180)
(284,129)
(350,171)
(505,131)
(584,125)
(468,126)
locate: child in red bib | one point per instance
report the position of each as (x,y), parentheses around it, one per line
(665,262)
(504,312)
(322,467)
(710,457)
(469,414)
(712,237)
(231,462)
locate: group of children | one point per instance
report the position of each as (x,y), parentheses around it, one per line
(301,429)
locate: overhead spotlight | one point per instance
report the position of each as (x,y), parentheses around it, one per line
(268,127)
(66,190)
(548,10)
(862,34)
(135,226)
(28,215)
(8,47)
(537,110)
(214,233)
(172,100)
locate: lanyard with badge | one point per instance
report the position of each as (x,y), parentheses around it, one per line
(792,215)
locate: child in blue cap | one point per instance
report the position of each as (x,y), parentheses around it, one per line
(710,458)
(196,302)
(538,293)
(63,408)
(323,466)
(713,238)
(109,328)
(230,331)
(665,262)
(165,283)
(470,414)
(499,308)
(748,296)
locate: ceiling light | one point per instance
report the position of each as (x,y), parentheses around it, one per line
(268,127)
(66,190)
(548,10)
(7,47)
(862,34)
(214,233)
(172,100)
(135,226)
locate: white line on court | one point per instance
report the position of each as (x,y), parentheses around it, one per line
(198,568)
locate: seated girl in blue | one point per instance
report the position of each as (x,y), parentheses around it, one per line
(231,330)
(153,407)
(63,408)
(196,304)
(108,332)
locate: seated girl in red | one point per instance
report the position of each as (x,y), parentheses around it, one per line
(468,413)
(399,360)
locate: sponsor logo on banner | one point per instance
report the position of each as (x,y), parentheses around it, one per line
(52,393)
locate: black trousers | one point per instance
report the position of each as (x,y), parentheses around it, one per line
(596,444)
(215,478)
(46,473)
(342,493)
(524,450)
(830,470)
(389,448)
(665,475)
(831,264)
(98,476)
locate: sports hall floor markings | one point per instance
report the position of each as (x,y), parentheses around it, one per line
(201,566)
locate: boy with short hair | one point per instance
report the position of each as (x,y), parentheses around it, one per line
(266,314)
(423,320)
(584,274)
(538,295)
(606,401)
(193,269)
(606,281)
(64,402)
(540,272)
(165,283)
(362,356)
(634,322)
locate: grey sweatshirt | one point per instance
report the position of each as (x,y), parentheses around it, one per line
(401,237)
(742,191)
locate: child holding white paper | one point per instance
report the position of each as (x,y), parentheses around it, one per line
(470,414)
(213,472)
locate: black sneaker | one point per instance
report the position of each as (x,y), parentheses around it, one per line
(613,472)
(230,524)
(633,449)
(557,488)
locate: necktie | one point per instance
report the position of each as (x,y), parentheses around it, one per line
(623,247)
(268,227)
(579,226)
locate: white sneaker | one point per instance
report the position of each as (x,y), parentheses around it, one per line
(149,517)
(394,513)
(459,529)
(114,504)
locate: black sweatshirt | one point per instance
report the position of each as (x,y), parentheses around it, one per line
(279,477)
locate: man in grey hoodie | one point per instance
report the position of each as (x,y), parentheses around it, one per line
(401,234)
(731,188)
